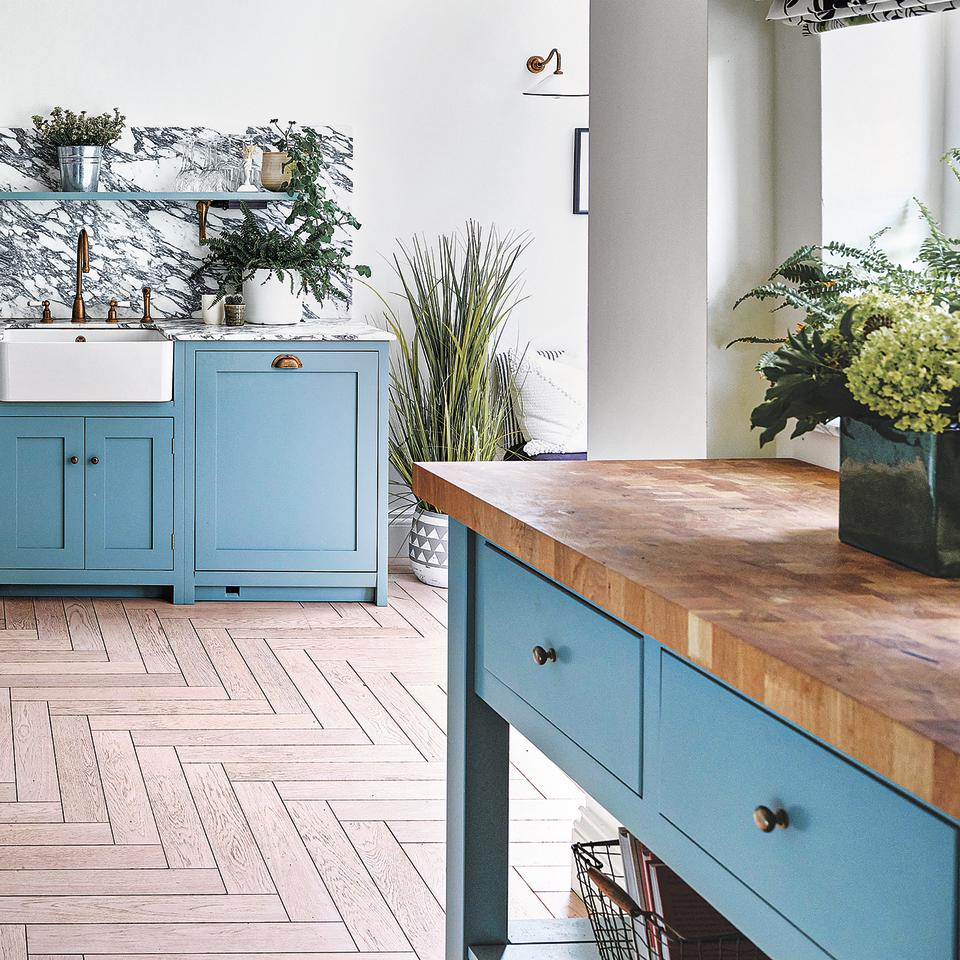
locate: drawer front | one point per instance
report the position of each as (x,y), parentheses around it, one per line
(862,870)
(593,691)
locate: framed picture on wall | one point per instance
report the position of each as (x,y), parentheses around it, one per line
(581,170)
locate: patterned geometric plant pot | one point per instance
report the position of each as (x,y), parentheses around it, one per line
(428,547)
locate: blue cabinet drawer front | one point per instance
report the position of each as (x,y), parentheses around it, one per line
(862,870)
(287,461)
(593,692)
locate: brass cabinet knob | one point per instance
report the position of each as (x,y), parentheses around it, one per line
(769,820)
(74,459)
(94,460)
(286,361)
(542,657)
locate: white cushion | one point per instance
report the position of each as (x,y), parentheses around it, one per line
(551,403)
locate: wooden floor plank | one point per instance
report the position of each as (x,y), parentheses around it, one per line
(420,729)
(33,752)
(19,614)
(139,938)
(13,941)
(357,897)
(237,738)
(7,765)
(107,882)
(141,909)
(51,619)
(277,686)
(81,791)
(181,832)
(152,643)
(232,669)
(129,808)
(234,722)
(82,625)
(115,629)
(373,718)
(31,812)
(194,663)
(402,887)
(227,831)
(294,874)
(83,857)
(323,700)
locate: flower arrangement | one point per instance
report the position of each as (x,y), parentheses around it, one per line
(64,128)
(880,341)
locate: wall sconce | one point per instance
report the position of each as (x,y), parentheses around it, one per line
(555,84)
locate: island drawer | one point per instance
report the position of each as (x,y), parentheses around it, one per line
(589,683)
(864,871)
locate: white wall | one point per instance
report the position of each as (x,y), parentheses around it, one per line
(681,224)
(431,89)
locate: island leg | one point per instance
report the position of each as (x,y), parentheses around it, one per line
(478,758)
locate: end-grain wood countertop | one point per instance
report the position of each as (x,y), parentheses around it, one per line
(736,564)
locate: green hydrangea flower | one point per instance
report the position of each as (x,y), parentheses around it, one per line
(908,368)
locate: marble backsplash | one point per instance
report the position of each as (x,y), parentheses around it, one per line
(132,243)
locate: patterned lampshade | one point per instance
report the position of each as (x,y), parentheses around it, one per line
(821,16)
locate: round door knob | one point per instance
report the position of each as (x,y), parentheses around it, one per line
(94,460)
(768,820)
(541,656)
(74,459)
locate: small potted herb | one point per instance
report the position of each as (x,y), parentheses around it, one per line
(234,311)
(79,140)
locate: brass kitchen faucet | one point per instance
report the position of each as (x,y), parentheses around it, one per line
(83,266)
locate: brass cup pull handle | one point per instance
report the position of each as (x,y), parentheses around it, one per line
(74,459)
(542,657)
(769,820)
(94,460)
(287,361)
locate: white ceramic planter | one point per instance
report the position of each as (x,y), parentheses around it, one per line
(269,300)
(428,547)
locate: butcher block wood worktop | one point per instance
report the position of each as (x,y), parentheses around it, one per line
(736,565)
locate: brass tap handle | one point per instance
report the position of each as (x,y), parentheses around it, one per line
(769,820)
(47,316)
(542,657)
(146,318)
(112,312)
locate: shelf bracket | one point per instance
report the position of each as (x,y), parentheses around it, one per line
(203,209)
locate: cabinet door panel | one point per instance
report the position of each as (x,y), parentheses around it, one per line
(129,493)
(41,507)
(286,461)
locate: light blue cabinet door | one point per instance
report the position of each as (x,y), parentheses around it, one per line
(286,461)
(41,492)
(129,493)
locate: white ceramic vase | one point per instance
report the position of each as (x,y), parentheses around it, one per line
(269,300)
(428,547)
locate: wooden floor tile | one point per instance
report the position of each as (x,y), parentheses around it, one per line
(241,781)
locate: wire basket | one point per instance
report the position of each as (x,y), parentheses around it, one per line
(626,931)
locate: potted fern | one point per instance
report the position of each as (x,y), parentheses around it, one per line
(277,267)
(459,292)
(879,347)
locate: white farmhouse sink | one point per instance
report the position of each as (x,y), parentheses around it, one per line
(83,364)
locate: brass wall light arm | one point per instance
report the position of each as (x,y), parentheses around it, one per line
(537,64)
(203,209)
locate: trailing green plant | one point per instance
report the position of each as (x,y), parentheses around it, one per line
(822,369)
(64,128)
(305,255)
(459,291)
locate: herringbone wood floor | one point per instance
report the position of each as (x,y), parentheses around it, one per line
(223,780)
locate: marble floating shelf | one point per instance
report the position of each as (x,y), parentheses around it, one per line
(212,195)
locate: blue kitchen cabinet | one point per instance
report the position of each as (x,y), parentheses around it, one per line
(41,479)
(287,464)
(129,493)
(86,493)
